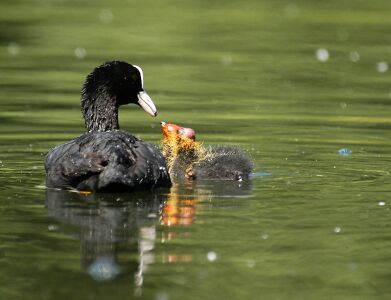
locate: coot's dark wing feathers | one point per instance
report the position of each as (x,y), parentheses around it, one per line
(66,165)
(114,160)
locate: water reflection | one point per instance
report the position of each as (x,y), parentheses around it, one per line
(105,222)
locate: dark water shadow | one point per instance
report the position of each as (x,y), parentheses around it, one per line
(103,222)
(118,232)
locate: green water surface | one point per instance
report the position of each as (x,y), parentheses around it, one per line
(291,82)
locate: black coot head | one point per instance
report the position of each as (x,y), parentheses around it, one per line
(120,83)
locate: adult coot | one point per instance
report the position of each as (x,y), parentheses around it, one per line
(105,158)
(187,158)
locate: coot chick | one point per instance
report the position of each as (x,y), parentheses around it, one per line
(187,158)
(105,158)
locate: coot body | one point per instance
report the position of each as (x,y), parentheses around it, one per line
(106,161)
(105,158)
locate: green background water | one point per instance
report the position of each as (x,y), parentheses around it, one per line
(238,72)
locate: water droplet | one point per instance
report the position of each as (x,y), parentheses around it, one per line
(291,10)
(354,56)
(343,105)
(381,203)
(265,236)
(80,52)
(106,16)
(226,60)
(161,296)
(352,266)
(211,256)
(382,67)
(337,229)
(344,152)
(13,49)
(52,227)
(250,263)
(322,55)
(103,269)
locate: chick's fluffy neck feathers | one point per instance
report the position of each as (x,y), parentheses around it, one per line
(174,145)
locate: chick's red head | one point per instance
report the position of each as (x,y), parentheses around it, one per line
(171,130)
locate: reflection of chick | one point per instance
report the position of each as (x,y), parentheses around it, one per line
(187,158)
(179,209)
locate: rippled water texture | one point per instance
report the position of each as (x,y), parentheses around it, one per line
(303,86)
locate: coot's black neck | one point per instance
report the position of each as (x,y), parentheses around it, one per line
(100,111)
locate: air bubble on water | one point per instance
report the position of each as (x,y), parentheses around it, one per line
(343,105)
(354,56)
(382,67)
(103,269)
(106,16)
(161,296)
(211,256)
(52,227)
(250,263)
(337,229)
(322,55)
(352,266)
(13,49)
(80,52)
(292,10)
(226,60)
(344,152)
(381,203)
